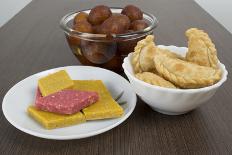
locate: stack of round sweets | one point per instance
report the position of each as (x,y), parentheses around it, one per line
(101,20)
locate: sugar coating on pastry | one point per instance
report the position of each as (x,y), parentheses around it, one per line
(154,79)
(186,74)
(201,49)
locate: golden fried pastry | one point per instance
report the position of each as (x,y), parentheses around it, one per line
(142,59)
(194,31)
(154,79)
(185,74)
(168,53)
(201,49)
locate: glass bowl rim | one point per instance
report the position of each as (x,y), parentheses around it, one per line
(68,30)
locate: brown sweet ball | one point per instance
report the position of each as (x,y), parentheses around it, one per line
(83,26)
(99,53)
(138,25)
(133,12)
(114,64)
(73,41)
(122,19)
(97,29)
(125,47)
(98,14)
(116,24)
(80,17)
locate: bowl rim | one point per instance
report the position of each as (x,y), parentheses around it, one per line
(204,89)
(69,30)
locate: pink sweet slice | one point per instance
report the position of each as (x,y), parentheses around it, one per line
(65,101)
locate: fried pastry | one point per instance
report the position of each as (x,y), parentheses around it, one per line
(154,79)
(194,31)
(168,53)
(142,58)
(201,49)
(186,74)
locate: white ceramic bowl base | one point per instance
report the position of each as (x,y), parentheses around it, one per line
(171,101)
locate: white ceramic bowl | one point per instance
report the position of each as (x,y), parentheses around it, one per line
(171,101)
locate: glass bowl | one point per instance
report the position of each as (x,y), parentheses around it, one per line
(101,50)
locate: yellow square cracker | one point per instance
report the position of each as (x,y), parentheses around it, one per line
(106,107)
(55,82)
(52,120)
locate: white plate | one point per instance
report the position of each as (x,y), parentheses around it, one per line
(20,96)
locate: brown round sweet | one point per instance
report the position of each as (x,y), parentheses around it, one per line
(80,17)
(116,24)
(114,64)
(73,41)
(97,29)
(99,14)
(133,12)
(83,26)
(97,52)
(138,25)
(125,47)
(122,19)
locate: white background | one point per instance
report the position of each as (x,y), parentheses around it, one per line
(219,9)
(9,8)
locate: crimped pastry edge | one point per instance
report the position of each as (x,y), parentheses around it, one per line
(183,82)
(136,54)
(194,33)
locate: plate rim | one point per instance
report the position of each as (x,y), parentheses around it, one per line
(68,137)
